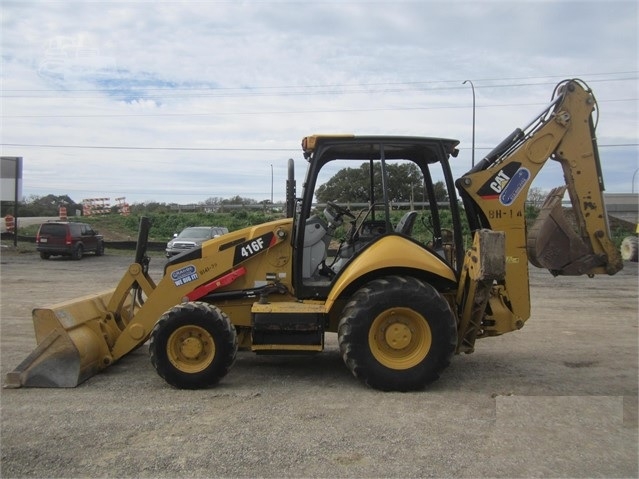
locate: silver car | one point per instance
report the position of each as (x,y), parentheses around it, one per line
(191,237)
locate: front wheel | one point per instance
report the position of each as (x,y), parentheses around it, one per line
(397,334)
(193,345)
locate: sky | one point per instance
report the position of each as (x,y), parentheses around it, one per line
(182,101)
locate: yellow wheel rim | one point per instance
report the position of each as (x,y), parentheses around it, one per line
(191,349)
(400,338)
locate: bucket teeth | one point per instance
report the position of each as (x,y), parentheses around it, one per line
(54,363)
(73,345)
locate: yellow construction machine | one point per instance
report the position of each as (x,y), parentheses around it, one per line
(401,305)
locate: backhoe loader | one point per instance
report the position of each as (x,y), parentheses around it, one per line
(401,305)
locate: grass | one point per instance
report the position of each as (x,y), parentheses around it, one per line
(125,228)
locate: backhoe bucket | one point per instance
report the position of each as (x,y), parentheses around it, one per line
(73,340)
(553,243)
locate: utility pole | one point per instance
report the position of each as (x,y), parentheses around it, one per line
(473,88)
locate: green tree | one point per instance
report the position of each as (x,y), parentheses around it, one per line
(238,200)
(353,184)
(347,185)
(441,194)
(48,205)
(149,207)
(534,202)
(212,201)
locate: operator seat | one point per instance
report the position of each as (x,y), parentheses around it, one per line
(405,225)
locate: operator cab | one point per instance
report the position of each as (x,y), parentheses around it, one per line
(360,189)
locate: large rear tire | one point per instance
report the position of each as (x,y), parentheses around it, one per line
(193,345)
(397,334)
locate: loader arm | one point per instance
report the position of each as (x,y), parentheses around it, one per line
(78,338)
(494,194)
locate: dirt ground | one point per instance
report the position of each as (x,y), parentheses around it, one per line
(556,399)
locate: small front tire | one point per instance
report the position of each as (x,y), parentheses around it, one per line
(193,345)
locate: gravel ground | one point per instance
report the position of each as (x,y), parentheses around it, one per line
(556,399)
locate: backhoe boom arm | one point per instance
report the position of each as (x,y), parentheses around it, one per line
(494,193)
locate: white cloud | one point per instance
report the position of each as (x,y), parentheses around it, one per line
(248,80)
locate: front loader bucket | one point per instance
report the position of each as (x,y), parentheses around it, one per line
(553,243)
(76,338)
(73,339)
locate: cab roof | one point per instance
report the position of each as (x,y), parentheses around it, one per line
(395,147)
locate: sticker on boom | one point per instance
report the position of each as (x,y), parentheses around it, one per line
(184,275)
(250,248)
(492,189)
(515,185)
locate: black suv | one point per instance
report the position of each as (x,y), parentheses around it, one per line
(62,238)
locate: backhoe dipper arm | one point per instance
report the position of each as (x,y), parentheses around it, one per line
(495,190)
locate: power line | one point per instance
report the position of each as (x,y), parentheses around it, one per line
(333,85)
(296,112)
(151,148)
(125,91)
(169,148)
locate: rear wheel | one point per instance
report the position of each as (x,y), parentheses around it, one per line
(397,334)
(44,255)
(99,250)
(193,345)
(77,253)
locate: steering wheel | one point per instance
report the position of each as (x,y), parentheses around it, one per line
(341,211)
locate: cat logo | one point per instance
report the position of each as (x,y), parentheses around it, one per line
(499,181)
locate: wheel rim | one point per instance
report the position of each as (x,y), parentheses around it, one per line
(400,338)
(191,349)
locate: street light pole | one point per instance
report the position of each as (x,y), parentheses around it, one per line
(473,88)
(271,184)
